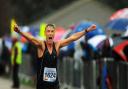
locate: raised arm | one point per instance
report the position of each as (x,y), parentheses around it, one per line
(29,37)
(76,36)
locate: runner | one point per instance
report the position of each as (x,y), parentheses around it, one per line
(48,51)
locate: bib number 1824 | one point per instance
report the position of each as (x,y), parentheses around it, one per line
(49,74)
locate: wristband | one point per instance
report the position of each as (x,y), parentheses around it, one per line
(86,31)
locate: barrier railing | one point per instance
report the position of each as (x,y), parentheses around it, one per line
(87,75)
(91,75)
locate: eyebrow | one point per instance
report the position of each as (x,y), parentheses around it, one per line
(50,26)
(50,30)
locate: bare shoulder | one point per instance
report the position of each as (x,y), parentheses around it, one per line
(62,43)
(57,43)
(57,46)
(41,49)
(42,44)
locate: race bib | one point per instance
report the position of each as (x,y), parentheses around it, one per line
(50,74)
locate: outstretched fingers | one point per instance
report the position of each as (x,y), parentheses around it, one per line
(91,28)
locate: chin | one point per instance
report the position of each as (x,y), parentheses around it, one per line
(50,41)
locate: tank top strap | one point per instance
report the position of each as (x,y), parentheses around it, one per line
(45,44)
(54,46)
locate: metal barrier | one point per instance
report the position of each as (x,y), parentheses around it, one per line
(123,75)
(78,75)
(119,74)
(85,76)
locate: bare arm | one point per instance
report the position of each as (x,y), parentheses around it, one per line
(75,36)
(28,36)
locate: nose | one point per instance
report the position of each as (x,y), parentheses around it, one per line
(50,33)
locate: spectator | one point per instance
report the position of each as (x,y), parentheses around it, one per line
(16,60)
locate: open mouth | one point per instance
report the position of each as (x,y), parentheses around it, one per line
(50,38)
